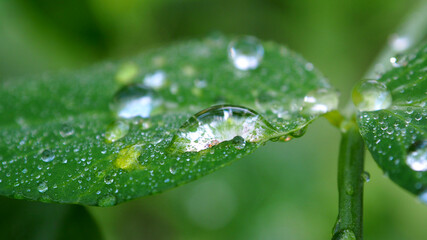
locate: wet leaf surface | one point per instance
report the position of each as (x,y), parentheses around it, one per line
(103,135)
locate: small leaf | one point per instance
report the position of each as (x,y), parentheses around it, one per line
(83,137)
(393,122)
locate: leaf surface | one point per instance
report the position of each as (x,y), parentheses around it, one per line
(58,143)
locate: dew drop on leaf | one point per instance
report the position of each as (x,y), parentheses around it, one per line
(66,130)
(107,201)
(320,101)
(108,180)
(398,61)
(218,124)
(42,187)
(246,53)
(417,156)
(116,130)
(47,155)
(371,95)
(366,177)
(239,142)
(134,100)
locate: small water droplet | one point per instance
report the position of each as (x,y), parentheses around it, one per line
(66,130)
(107,201)
(47,155)
(417,156)
(135,101)
(239,142)
(366,177)
(42,187)
(246,53)
(320,101)
(155,80)
(349,189)
(108,180)
(128,157)
(218,124)
(126,73)
(116,130)
(371,95)
(345,235)
(172,170)
(398,61)
(423,197)
(299,133)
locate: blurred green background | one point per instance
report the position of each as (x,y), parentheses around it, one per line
(284,190)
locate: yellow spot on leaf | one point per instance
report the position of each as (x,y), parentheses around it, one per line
(128,157)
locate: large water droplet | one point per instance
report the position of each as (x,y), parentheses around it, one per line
(371,95)
(47,155)
(134,101)
(246,53)
(107,201)
(156,80)
(116,130)
(417,156)
(66,130)
(128,157)
(321,101)
(218,124)
(42,187)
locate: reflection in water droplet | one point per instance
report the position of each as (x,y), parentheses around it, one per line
(126,73)
(371,95)
(116,130)
(246,53)
(300,132)
(238,142)
(107,201)
(156,80)
(42,187)
(47,155)
(218,124)
(366,177)
(108,180)
(398,61)
(417,156)
(128,157)
(320,101)
(345,235)
(134,101)
(172,170)
(66,130)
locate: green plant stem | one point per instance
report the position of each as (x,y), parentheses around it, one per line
(350,184)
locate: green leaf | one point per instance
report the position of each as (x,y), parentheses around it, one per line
(33,220)
(396,136)
(60,142)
